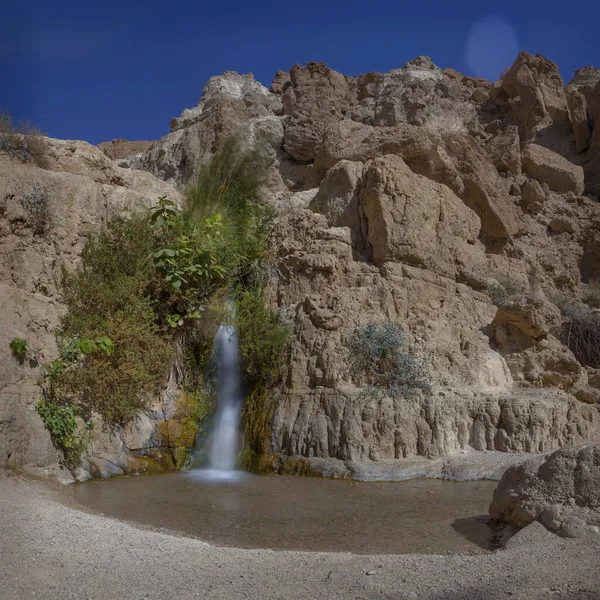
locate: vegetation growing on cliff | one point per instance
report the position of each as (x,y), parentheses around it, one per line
(380,361)
(144,284)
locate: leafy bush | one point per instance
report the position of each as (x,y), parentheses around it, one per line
(581,334)
(264,339)
(145,281)
(22,141)
(378,360)
(61,422)
(35,202)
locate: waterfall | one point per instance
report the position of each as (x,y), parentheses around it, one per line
(224,439)
(219,450)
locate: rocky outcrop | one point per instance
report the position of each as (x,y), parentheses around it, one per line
(535,86)
(561,490)
(550,168)
(119,148)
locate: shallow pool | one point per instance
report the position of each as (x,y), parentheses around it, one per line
(301,513)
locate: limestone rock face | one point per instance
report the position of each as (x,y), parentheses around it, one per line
(551,168)
(412,220)
(460,210)
(561,490)
(342,425)
(119,148)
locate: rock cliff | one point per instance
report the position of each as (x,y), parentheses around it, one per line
(462,210)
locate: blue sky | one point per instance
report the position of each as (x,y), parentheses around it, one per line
(100,70)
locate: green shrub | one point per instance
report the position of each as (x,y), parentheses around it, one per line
(19,347)
(144,282)
(378,361)
(61,422)
(22,141)
(263,337)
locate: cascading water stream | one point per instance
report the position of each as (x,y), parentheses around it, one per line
(221,446)
(224,439)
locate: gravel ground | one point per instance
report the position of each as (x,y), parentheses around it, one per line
(50,550)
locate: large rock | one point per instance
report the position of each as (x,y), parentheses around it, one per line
(536,88)
(561,490)
(317,96)
(551,168)
(454,159)
(410,219)
(524,319)
(231,104)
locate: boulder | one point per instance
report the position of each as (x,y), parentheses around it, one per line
(561,490)
(453,159)
(551,168)
(522,320)
(549,364)
(317,96)
(533,197)
(411,219)
(120,148)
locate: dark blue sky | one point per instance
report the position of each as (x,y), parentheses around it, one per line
(100,70)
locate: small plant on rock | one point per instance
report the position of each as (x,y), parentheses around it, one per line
(61,420)
(379,359)
(35,202)
(19,347)
(581,334)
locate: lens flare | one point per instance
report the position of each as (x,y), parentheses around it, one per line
(491,46)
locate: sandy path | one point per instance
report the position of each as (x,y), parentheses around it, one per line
(52,551)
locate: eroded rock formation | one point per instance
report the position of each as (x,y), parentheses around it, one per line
(465,211)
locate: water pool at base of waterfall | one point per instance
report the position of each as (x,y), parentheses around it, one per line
(301,513)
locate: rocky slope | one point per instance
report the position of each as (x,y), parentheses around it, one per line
(465,211)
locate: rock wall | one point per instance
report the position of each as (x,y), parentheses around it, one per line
(425,198)
(464,211)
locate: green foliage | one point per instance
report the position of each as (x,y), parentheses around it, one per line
(19,347)
(263,337)
(144,281)
(61,422)
(377,358)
